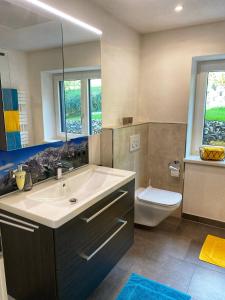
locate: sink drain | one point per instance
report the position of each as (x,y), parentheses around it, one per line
(73,200)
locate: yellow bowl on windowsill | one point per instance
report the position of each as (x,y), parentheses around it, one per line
(212,153)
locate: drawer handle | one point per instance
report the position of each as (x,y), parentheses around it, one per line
(19,221)
(87,220)
(16,225)
(87,258)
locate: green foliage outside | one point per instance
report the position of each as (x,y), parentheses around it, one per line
(73,100)
(72,97)
(215,80)
(215,114)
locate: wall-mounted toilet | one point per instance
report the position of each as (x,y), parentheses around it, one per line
(152,205)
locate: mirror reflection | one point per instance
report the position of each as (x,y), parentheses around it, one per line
(82,84)
(50,76)
(31,55)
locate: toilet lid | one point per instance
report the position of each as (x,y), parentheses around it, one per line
(160,197)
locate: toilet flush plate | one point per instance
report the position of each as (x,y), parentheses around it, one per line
(135,142)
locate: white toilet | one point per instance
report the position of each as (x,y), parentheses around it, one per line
(152,206)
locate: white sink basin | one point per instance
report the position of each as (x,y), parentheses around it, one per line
(50,204)
(77,189)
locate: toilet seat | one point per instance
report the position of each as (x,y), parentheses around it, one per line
(159,197)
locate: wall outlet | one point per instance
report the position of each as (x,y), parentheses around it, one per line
(135,142)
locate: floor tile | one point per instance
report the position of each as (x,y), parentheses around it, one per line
(192,230)
(170,225)
(192,256)
(198,231)
(172,245)
(214,231)
(176,273)
(169,254)
(207,285)
(111,286)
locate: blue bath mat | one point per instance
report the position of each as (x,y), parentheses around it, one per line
(140,288)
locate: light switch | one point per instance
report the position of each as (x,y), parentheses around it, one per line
(135,142)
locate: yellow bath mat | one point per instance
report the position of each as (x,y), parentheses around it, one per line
(213,251)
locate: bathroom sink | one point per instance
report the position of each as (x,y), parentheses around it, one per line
(76,189)
(52,203)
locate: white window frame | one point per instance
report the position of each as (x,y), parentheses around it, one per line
(84,76)
(201,66)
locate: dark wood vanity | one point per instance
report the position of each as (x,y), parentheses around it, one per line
(69,262)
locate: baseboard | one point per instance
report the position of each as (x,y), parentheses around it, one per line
(204,220)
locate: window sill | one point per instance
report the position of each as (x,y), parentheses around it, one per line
(195,159)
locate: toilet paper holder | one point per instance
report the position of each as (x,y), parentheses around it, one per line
(174,168)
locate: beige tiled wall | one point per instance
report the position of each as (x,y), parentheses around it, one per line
(106,148)
(166,142)
(133,161)
(115,151)
(160,144)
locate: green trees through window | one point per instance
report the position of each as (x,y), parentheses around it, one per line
(95,97)
(214,123)
(74,102)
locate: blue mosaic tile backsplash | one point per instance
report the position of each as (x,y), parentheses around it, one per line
(41,161)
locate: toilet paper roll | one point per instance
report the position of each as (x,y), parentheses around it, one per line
(175,173)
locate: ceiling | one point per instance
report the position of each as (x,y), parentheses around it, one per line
(157,15)
(23,29)
(16,17)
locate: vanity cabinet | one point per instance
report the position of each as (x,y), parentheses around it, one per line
(68,262)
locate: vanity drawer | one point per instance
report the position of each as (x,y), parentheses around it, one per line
(92,263)
(29,259)
(114,205)
(70,261)
(89,225)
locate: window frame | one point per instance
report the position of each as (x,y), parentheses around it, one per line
(85,77)
(201,66)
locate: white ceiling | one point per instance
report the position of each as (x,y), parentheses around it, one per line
(23,29)
(16,17)
(157,15)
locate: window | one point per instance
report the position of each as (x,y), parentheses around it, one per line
(214,119)
(95,104)
(80,112)
(206,125)
(71,114)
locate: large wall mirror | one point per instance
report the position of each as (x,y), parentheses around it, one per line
(50,77)
(82,83)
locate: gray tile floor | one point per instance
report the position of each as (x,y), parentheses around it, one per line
(169,254)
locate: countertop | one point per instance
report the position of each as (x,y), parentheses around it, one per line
(43,212)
